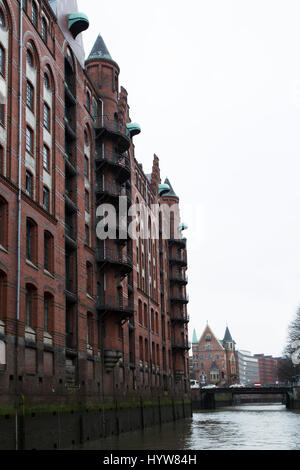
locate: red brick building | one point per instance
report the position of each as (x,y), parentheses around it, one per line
(214,361)
(100,317)
(268,368)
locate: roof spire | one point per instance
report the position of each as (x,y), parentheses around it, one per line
(100,50)
(195,340)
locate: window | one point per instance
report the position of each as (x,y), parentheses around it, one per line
(31,238)
(34,14)
(48,252)
(2,61)
(24,5)
(46,81)
(2,19)
(29,58)
(29,140)
(29,95)
(30,298)
(29,184)
(46,116)
(3,222)
(86,166)
(46,198)
(48,311)
(46,157)
(3,295)
(87,201)
(89,278)
(89,328)
(1,160)
(87,235)
(88,101)
(2,115)
(44,30)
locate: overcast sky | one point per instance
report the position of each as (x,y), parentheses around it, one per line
(215,86)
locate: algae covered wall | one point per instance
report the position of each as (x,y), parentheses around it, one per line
(68,425)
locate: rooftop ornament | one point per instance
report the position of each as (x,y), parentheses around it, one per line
(163,189)
(78,22)
(132,128)
(182,226)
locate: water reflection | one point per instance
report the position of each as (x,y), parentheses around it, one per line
(265,427)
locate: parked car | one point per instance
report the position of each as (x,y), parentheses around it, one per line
(210,386)
(257,385)
(194,384)
(237,386)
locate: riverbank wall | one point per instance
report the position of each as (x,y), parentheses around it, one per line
(63,425)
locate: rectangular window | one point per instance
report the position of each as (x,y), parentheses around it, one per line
(29,184)
(29,140)
(46,116)
(1,160)
(34,14)
(46,158)
(46,312)
(87,201)
(46,198)
(29,240)
(87,235)
(2,61)
(86,167)
(29,96)
(2,114)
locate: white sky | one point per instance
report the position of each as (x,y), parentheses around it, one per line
(215,86)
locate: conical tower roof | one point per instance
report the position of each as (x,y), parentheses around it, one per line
(99,50)
(195,340)
(227,336)
(171,192)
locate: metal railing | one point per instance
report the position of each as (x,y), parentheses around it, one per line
(115,303)
(115,158)
(112,256)
(176,257)
(110,124)
(181,343)
(181,316)
(179,297)
(182,277)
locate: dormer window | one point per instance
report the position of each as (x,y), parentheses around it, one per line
(208,337)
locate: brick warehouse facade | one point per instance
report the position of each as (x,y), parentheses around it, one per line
(82,320)
(214,361)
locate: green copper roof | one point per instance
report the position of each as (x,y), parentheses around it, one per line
(162,189)
(99,50)
(171,192)
(182,226)
(194,337)
(78,22)
(132,128)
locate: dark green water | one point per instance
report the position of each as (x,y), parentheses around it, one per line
(244,427)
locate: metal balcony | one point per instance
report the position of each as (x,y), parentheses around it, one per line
(120,305)
(70,236)
(180,344)
(114,257)
(108,127)
(180,242)
(180,317)
(178,278)
(108,191)
(179,298)
(180,259)
(118,162)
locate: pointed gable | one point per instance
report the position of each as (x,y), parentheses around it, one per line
(213,341)
(99,50)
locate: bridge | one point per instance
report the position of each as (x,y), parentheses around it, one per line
(251,390)
(211,398)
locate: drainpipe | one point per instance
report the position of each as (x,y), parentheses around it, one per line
(19,211)
(148,284)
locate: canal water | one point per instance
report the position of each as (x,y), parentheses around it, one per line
(242,427)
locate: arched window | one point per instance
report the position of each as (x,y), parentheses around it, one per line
(2,60)
(46,81)
(29,58)
(3,222)
(88,101)
(46,198)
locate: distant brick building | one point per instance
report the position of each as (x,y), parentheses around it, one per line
(95,317)
(268,368)
(214,361)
